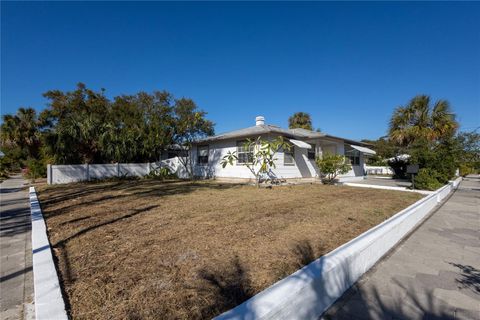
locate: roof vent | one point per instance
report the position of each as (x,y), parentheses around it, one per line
(259,121)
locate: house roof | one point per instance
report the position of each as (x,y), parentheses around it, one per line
(251,131)
(257,130)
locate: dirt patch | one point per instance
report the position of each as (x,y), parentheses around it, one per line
(181,250)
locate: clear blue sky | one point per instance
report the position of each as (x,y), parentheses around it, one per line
(347,64)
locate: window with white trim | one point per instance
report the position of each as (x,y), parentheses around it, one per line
(245,152)
(202,155)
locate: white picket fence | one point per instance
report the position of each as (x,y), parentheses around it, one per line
(59,174)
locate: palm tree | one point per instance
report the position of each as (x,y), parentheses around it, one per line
(420,120)
(300,120)
(21,130)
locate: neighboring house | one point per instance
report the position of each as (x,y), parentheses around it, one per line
(298,163)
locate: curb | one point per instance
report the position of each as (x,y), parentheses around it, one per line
(49,304)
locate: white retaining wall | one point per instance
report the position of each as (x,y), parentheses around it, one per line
(310,291)
(49,302)
(378,170)
(58,174)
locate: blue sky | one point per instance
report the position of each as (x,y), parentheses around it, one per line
(347,64)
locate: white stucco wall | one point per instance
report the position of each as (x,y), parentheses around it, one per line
(102,171)
(303,167)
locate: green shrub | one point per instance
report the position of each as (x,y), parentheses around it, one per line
(440,158)
(162,174)
(466,169)
(36,169)
(332,165)
(428,179)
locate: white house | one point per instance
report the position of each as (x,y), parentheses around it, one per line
(298,163)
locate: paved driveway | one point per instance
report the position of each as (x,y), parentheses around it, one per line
(16,282)
(433,274)
(387,182)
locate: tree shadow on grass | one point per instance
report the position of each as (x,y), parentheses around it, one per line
(134,189)
(300,254)
(226,287)
(62,261)
(230,285)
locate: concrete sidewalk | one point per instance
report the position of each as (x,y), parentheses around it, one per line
(433,274)
(16,279)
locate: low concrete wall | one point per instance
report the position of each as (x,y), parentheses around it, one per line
(379,170)
(343,179)
(310,291)
(102,171)
(58,174)
(49,302)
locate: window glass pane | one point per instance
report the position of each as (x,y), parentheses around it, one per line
(244,153)
(203,151)
(202,154)
(289,156)
(311,152)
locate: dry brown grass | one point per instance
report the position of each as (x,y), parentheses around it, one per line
(153,250)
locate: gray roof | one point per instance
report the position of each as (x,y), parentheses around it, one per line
(297,133)
(251,131)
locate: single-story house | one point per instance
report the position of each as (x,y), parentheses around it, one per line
(296,163)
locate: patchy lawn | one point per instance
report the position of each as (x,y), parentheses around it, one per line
(149,250)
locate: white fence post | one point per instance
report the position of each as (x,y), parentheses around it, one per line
(49,174)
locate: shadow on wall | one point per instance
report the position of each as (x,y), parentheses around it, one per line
(358,171)
(208,171)
(301,162)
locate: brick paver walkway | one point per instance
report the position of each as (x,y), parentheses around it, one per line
(434,274)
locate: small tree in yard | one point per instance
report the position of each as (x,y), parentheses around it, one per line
(261,158)
(331,165)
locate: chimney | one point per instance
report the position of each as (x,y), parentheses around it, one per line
(259,121)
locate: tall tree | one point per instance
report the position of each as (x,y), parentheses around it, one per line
(21,131)
(190,125)
(300,120)
(469,143)
(73,123)
(420,120)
